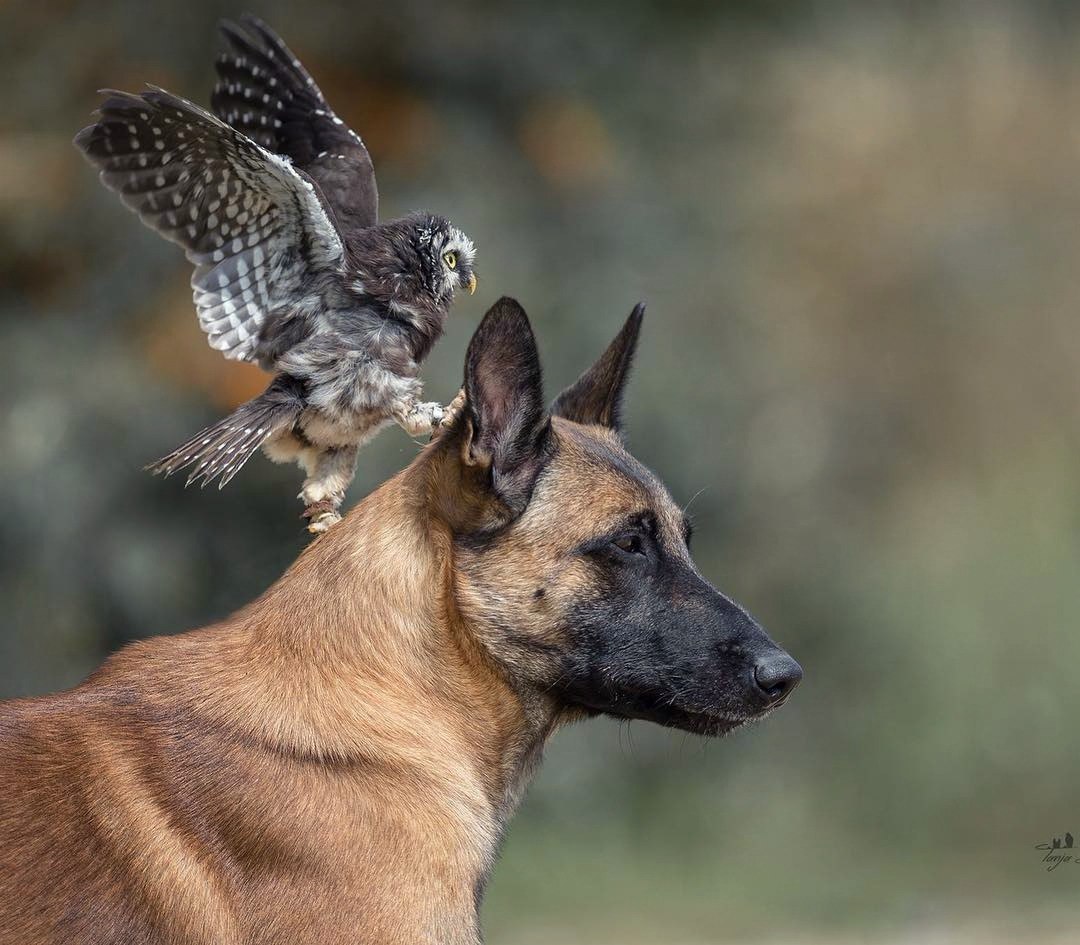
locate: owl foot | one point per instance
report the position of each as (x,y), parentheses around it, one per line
(321,516)
(324,522)
(421,418)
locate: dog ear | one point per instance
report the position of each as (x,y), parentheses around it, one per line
(596,397)
(506,425)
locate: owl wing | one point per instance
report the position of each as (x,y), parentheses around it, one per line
(265,92)
(253,225)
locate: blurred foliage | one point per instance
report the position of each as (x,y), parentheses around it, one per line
(857,226)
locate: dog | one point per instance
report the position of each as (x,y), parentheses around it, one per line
(338,761)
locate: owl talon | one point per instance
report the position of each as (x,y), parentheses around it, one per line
(421,418)
(323,522)
(321,516)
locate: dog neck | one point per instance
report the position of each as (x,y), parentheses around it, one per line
(358,654)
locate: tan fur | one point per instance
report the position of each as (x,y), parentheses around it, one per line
(333,763)
(531,577)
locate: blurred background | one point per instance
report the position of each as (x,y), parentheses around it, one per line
(857,226)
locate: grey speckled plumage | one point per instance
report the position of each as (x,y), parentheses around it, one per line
(274,201)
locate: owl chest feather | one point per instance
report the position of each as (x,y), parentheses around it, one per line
(359,372)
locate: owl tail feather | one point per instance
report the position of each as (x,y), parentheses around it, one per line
(219,451)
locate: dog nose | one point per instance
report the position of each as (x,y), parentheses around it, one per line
(776,676)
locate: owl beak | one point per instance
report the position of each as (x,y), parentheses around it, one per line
(471,284)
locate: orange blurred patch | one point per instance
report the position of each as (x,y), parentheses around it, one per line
(567,142)
(176,349)
(398,126)
(37,173)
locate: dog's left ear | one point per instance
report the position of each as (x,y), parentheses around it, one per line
(596,397)
(506,425)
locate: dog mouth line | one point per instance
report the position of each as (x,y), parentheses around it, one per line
(631,706)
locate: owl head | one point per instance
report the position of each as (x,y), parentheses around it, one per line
(415,263)
(446,256)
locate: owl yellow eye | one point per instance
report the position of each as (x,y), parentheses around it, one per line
(450,259)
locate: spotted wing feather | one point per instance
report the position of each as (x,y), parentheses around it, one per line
(265,92)
(253,225)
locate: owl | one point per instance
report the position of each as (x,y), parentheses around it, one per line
(274,201)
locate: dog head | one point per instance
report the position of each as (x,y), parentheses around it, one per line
(572,566)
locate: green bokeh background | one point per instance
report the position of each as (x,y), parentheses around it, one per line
(857,226)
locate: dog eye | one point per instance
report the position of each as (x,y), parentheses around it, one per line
(450,259)
(631,544)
